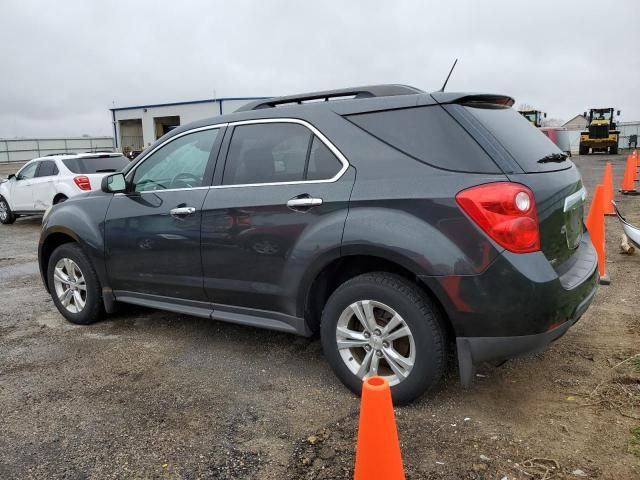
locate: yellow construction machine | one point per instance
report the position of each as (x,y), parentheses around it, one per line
(601,134)
(534,116)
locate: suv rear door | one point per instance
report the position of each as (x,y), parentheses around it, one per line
(152,233)
(43,185)
(278,202)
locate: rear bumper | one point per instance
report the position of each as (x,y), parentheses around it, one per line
(475,350)
(518,294)
(517,306)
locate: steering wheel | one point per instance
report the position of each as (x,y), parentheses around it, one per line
(187,179)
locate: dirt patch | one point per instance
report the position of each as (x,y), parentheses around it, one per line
(148,394)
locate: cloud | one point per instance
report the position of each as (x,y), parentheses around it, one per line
(64,63)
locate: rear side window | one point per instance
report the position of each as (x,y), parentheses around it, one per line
(104,164)
(47,169)
(524,142)
(277,152)
(427,134)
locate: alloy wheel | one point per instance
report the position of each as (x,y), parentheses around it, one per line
(70,285)
(373,339)
(4,210)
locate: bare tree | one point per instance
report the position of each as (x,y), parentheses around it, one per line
(524,107)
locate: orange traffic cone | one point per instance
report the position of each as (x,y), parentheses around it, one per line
(378,450)
(607,182)
(595,226)
(628,181)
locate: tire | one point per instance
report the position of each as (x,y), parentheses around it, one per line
(613,150)
(584,150)
(426,342)
(59,199)
(75,311)
(6,215)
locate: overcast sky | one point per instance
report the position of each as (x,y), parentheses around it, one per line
(63,64)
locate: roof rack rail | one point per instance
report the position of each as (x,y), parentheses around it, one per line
(61,153)
(356,92)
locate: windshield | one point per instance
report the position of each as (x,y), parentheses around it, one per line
(531,116)
(106,164)
(602,115)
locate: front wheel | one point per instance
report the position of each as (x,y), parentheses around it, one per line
(381,324)
(6,215)
(74,285)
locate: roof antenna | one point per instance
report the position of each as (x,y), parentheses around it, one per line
(450,72)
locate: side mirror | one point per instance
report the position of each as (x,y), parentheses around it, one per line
(115,183)
(618,112)
(584,114)
(13,175)
(545,115)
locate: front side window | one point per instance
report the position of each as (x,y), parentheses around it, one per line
(277,152)
(179,164)
(47,168)
(28,172)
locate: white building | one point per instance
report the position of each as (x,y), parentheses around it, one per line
(135,128)
(579,122)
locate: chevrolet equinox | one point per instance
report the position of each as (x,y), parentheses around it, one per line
(398,225)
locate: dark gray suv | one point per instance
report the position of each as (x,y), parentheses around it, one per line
(398,225)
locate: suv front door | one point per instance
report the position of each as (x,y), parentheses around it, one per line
(21,191)
(152,233)
(278,202)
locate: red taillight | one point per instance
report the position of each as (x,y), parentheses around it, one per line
(82,182)
(506,212)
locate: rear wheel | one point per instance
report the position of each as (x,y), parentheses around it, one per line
(6,215)
(73,284)
(584,150)
(381,324)
(614,150)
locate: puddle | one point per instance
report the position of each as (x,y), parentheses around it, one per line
(13,271)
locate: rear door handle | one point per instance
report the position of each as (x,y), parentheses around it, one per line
(304,202)
(182,211)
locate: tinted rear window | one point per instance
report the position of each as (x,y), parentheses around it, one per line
(96,164)
(524,142)
(429,135)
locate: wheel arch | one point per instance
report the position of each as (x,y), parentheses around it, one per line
(58,196)
(48,245)
(315,293)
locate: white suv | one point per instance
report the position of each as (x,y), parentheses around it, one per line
(45,181)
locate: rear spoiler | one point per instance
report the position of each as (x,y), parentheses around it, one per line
(480,99)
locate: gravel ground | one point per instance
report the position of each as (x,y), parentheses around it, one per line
(149,394)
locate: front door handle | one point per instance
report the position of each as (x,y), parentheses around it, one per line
(182,211)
